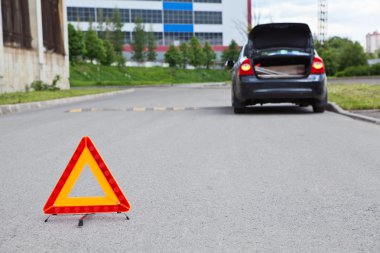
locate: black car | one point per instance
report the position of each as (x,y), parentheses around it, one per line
(279,65)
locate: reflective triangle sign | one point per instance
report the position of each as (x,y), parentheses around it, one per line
(113,200)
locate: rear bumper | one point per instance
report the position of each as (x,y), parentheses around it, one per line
(252,90)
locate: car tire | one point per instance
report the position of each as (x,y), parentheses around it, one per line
(319,108)
(239,110)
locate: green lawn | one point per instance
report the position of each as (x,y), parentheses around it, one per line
(355,97)
(91,75)
(34,96)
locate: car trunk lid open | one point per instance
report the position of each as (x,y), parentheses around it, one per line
(281,50)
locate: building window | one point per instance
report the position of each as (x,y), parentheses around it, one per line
(147,16)
(208,17)
(16,23)
(186,1)
(208,1)
(51,24)
(80,14)
(177,37)
(178,17)
(212,38)
(108,14)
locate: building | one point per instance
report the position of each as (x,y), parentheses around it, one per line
(172,21)
(373,42)
(33,43)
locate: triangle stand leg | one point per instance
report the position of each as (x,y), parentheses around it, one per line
(81,220)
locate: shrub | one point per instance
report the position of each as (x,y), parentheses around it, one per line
(360,71)
(41,86)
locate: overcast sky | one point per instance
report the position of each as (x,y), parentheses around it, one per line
(347,18)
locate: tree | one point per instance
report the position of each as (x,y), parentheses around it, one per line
(117,33)
(110,55)
(340,53)
(172,56)
(138,42)
(195,52)
(209,54)
(232,52)
(76,44)
(151,55)
(352,55)
(100,21)
(94,45)
(184,54)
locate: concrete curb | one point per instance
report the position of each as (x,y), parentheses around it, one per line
(6,109)
(333,107)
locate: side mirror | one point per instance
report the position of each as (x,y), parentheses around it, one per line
(230,64)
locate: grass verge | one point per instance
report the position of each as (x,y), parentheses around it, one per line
(92,75)
(355,97)
(34,96)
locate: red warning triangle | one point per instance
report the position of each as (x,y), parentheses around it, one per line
(60,201)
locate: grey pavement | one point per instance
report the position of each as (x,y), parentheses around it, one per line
(277,179)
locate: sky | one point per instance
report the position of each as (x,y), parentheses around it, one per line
(352,19)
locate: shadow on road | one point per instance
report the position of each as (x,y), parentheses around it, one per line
(265,110)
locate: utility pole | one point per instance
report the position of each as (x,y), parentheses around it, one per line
(249,15)
(322,20)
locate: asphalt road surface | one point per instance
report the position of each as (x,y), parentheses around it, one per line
(199,178)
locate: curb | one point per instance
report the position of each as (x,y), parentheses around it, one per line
(333,107)
(6,109)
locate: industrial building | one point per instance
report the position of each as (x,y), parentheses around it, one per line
(172,21)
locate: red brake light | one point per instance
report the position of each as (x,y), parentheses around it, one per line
(318,67)
(245,68)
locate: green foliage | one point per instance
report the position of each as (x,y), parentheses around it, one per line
(352,55)
(110,56)
(42,86)
(184,55)
(100,21)
(117,36)
(138,43)
(210,55)
(88,75)
(195,52)
(232,52)
(172,56)
(373,70)
(151,55)
(94,45)
(341,53)
(76,44)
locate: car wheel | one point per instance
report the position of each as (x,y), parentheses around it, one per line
(239,110)
(319,108)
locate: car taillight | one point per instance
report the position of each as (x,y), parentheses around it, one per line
(318,67)
(246,68)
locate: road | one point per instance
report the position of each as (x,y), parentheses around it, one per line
(199,178)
